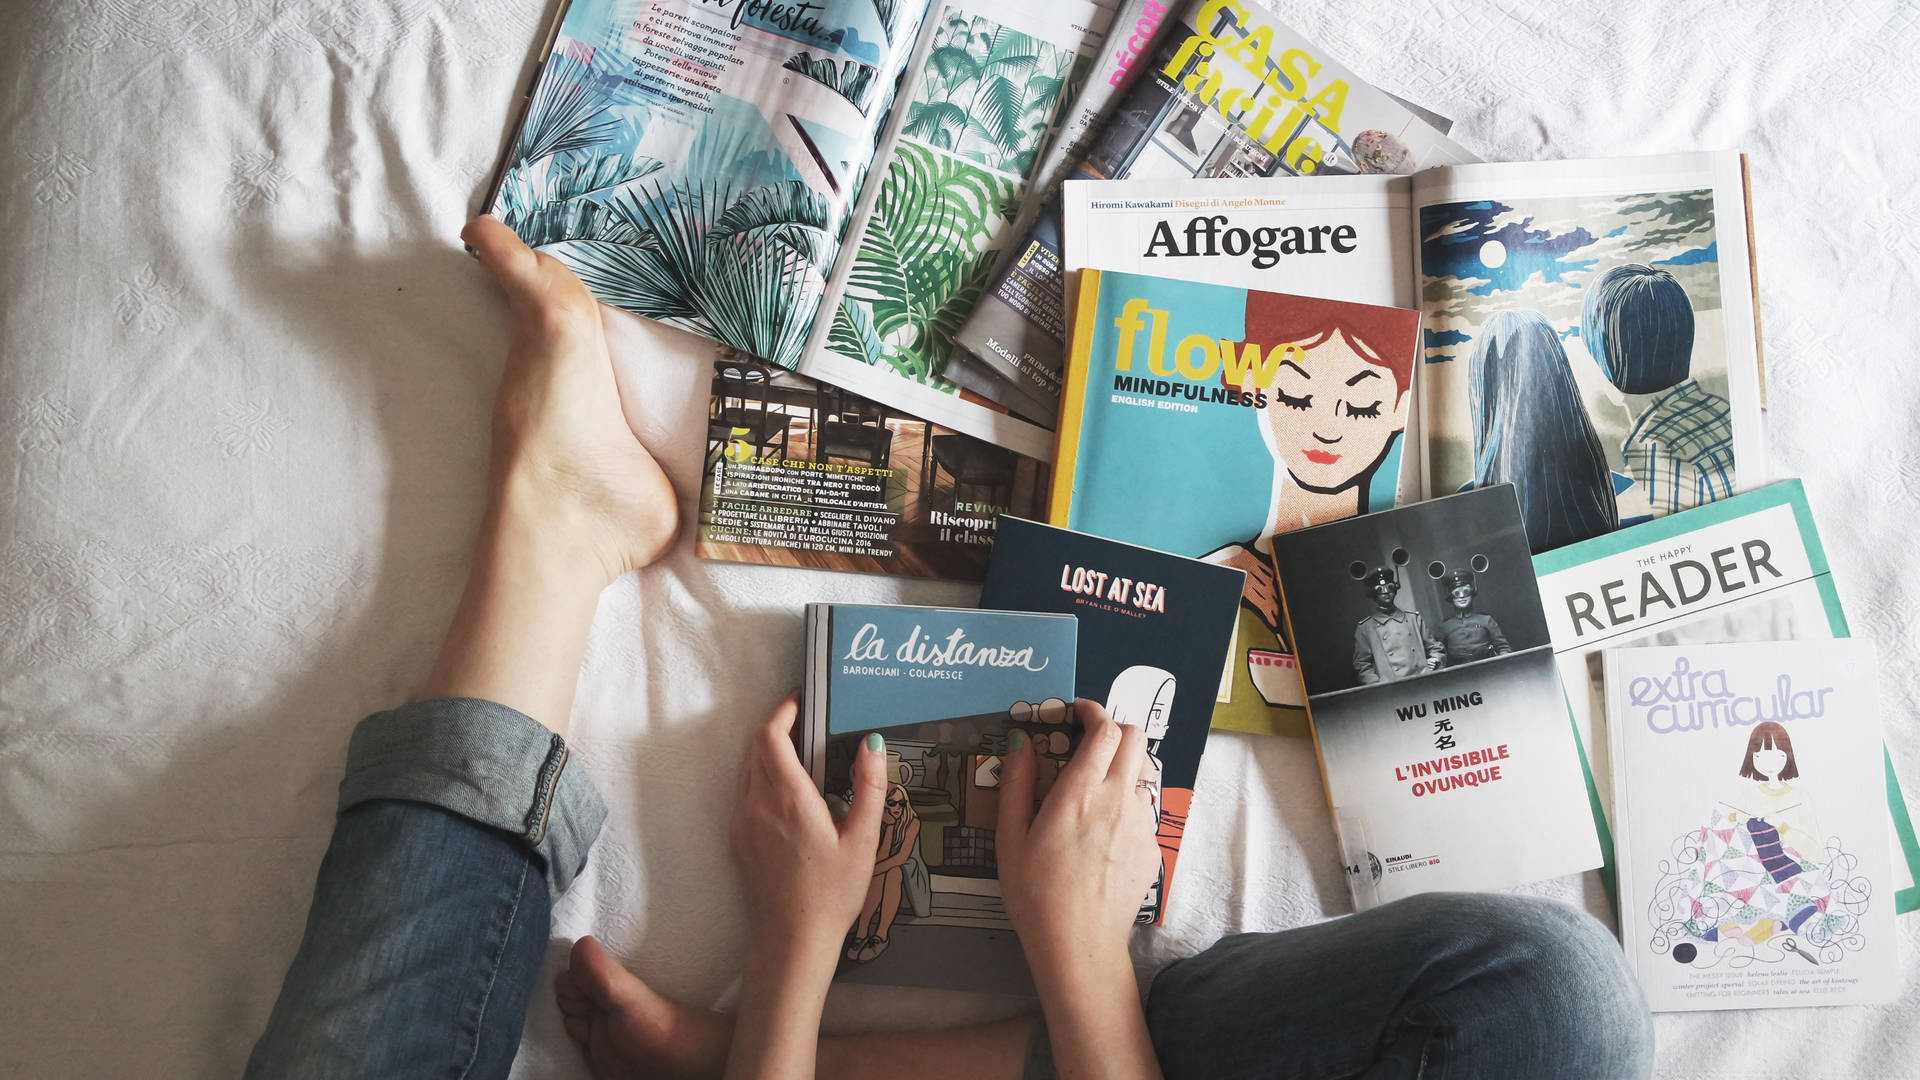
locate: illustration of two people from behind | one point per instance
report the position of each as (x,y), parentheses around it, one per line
(1333,418)
(1531,428)
(1392,643)
(1759,879)
(1141,696)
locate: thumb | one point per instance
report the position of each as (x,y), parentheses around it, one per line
(862,823)
(1016,791)
(511,262)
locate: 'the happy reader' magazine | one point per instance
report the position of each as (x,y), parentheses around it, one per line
(1753,850)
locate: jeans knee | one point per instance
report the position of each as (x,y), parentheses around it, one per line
(1572,971)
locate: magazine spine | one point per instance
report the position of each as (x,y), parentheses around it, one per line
(1073,401)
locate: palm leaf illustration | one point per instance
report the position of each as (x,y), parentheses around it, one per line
(923,259)
(733,269)
(940,123)
(563,115)
(889,12)
(851,79)
(852,333)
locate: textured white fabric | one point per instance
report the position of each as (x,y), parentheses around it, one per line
(244,377)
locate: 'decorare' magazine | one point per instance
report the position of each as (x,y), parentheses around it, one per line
(1229,91)
(800,473)
(824,187)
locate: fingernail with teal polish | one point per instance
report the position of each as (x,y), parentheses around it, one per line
(1016,741)
(875,742)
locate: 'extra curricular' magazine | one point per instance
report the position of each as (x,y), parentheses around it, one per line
(1752,847)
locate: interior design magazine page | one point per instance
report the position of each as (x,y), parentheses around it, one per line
(800,473)
(1752,849)
(1590,337)
(977,110)
(699,163)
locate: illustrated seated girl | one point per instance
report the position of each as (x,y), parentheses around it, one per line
(1759,880)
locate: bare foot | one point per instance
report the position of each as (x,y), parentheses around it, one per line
(626,1029)
(557,426)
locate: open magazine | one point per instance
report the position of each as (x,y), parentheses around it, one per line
(1589,331)
(822,186)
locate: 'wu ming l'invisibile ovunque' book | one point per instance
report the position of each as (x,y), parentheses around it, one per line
(822,186)
(1153,630)
(945,687)
(1253,413)
(1448,756)
(1752,847)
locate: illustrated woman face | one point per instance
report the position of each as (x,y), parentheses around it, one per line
(1330,414)
(896,804)
(1769,761)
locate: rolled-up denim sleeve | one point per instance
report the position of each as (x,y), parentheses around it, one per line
(486,762)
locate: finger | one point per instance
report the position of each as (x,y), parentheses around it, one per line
(1099,739)
(778,761)
(511,262)
(861,826)
(1130,758)
(1017,774)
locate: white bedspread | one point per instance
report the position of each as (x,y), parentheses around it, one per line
(244,378)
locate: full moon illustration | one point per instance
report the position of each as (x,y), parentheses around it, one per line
(1493,253)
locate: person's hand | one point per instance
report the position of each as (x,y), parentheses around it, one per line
(806,874)
(1074,873)
(1261,591)
(561,445)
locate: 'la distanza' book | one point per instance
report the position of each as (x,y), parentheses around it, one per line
(945,687)
(1752,843)
(1448,758)
(1153,628)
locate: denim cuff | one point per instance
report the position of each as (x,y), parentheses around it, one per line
(1039,1060)
(486,762)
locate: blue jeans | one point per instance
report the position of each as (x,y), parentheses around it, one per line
(461,819)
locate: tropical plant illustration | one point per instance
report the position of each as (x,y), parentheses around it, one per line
(922,262)
(727,242)
(746,269)
(989,93)
(851,79)
(564,115)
